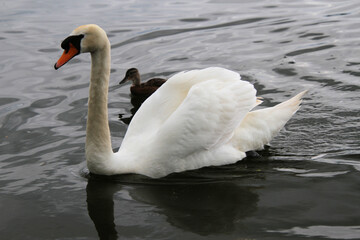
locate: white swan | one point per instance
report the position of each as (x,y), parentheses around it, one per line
(197,118)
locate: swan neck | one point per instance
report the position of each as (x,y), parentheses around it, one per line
(98,141)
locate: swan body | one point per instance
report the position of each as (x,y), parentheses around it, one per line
(197,118)
(141,89)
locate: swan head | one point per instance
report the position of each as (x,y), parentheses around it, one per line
(133,75)
(86,38)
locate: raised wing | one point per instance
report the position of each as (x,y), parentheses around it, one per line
(161,105)
(206,118)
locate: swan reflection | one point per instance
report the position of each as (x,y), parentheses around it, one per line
(100,205)
(203,208)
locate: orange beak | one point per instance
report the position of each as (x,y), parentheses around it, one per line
(66,56)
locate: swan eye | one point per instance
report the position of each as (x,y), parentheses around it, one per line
(74,40)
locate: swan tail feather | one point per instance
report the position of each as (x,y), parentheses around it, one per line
(260,126)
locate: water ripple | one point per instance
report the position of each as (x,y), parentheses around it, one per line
(309,50)
(163,33)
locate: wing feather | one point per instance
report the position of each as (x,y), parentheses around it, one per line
(207,117)
(162,104)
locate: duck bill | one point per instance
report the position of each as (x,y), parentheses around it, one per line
(66,56)
(124,80)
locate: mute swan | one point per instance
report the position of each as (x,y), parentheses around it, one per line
(197,118)
(141,89)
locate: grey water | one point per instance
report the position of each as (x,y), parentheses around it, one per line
(306,183)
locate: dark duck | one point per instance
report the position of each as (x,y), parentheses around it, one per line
(141,89)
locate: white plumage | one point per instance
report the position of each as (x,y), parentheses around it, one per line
(197,118)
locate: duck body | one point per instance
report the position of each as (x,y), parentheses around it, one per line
(147,88)
(141,89)
(197,118)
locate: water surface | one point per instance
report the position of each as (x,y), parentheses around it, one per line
(305,185)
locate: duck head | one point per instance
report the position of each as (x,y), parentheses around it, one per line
(133,75)
(86,38)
